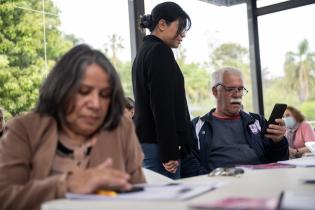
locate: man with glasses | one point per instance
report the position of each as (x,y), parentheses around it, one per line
(227,136)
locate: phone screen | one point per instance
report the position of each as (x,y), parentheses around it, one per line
(277,112)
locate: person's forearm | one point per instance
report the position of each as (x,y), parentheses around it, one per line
(302,150)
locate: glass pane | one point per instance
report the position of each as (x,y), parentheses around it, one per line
(287,43)
(103,25)
(95,22)
(218,37)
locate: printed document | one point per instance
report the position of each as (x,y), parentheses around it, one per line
(172,191)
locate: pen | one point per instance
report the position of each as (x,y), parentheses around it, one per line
(109,193)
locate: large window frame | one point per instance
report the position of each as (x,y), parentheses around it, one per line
(136,8)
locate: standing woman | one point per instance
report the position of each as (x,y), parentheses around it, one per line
(161,113)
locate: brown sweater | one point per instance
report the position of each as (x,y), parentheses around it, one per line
(27,151)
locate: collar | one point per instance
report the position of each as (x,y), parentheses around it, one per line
(152,38)
(63,149)
(246,117)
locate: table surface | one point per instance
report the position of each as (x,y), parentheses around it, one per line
(263,183)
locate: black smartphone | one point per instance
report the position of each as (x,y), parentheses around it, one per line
(132,189)
(277,112)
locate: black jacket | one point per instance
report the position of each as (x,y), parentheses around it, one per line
(267,151)
(161,112)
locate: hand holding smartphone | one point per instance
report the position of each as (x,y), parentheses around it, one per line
(277,112)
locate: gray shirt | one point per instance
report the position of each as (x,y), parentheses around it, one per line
(228,146)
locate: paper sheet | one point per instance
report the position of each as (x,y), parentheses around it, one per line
(156,192)
(303,161)
(298,200)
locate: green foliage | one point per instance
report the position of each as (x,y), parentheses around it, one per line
(197,87)
(276,91)
(19,89)
(22,50)
(299,69)
(124,71)
(308,109)
(229,54)
(196,82)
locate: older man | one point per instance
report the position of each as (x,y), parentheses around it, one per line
(228,136)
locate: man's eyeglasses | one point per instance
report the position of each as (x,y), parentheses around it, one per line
(241,90)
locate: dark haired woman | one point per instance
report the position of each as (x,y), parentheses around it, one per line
(298,131)
(161,114)
(76,140)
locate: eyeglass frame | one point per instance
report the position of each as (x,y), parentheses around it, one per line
(242,90)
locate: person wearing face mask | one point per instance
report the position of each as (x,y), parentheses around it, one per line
(298,132)
(161,113)
(227,136)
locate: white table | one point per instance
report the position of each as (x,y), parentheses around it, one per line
(267,183)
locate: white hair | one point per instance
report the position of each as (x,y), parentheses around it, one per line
(217,76)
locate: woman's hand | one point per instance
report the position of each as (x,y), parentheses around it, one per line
(100,177)
(171,166)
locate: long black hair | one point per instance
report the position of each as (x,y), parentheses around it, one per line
(64,79)
(169,11)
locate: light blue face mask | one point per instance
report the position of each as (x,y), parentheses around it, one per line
(289,122)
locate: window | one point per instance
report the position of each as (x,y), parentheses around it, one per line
(287,47)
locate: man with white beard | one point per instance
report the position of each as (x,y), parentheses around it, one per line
(228,136)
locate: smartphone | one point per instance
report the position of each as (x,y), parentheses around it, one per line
(132,189)
(277,112)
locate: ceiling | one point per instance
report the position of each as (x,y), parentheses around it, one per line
(224,2)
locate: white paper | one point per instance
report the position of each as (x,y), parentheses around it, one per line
(155,192)
(303,161)
(298,200)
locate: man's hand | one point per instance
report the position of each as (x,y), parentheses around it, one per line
(171,166)
(100,177)
(276,132)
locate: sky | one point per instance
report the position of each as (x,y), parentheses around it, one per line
(95,20)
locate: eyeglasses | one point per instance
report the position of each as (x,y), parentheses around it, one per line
(243,91)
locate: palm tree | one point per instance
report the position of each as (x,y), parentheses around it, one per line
(300,69)
(115,45)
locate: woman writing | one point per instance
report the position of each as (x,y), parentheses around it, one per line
(76,140)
